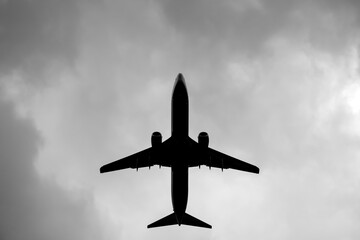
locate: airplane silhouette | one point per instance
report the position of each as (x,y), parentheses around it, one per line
(179,152)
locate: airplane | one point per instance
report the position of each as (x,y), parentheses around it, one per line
(179,152)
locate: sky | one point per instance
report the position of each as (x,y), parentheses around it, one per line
(274,83)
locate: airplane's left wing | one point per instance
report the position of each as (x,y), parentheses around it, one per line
(212,158)
(223,161)
(145,158)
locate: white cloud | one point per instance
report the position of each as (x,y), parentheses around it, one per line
(273,83)
(352,98)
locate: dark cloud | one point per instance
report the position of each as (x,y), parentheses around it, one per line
(34,208)
(230,25)
(213,31)
(36,35)
(263,81)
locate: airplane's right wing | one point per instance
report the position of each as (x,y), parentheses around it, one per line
(137,160)
(146,158)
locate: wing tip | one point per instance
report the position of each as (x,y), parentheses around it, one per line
(103,169)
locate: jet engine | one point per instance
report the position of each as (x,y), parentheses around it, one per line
(156,139)
(203,139)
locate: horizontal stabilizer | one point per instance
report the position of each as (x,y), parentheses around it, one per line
(165,221)
(193,221)
(186,220)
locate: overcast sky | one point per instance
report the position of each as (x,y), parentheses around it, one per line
(275,83)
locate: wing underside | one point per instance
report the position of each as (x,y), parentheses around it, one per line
(161,155)
(223,161)
(213,158)
(137,160)
(145,158)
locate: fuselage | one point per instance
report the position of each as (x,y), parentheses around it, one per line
(179,133)
(180,109)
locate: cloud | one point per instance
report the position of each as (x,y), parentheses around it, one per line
(274,83)
(209,32)
(33,207)
(36,36)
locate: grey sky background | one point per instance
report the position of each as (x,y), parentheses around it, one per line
(275,83)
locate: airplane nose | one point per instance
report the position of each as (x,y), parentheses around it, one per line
(179,90)
(180,82)
(180,77)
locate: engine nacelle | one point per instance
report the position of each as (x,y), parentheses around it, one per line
(203,139)
(156,139)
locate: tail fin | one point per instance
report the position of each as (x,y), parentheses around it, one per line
(186,220)
(193,221)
